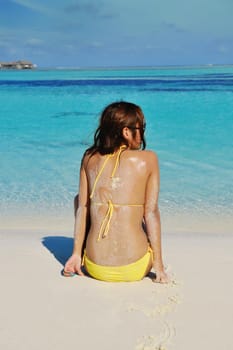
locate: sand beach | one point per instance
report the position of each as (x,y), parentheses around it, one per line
(41,309)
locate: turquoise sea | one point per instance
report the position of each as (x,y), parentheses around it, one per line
(48,117)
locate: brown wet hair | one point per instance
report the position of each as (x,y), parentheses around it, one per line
(108,136)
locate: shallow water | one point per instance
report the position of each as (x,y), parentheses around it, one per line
(48,117)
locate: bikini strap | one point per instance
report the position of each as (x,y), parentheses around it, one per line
(121,149)
(99,174)
(118,153)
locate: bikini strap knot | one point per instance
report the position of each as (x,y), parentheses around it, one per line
(106,221)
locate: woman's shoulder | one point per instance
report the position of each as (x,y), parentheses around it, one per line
(87,156)
(147,158)
(147,155)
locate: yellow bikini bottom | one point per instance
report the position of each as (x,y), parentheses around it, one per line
(127,273)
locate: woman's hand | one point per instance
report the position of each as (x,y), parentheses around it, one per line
(73,265)
(161,277)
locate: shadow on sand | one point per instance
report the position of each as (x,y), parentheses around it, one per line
(61,247)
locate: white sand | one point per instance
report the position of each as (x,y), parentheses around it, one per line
(40,309)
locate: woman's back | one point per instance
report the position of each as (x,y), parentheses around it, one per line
(117,187)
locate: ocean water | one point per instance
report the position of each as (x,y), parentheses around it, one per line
(48,118)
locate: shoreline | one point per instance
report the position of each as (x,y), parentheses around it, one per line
(176,223)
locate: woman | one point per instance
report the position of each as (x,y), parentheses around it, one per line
(118,195)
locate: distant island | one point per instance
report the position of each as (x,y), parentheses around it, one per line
(17,65)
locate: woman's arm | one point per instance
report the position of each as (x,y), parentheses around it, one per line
(73,264)
(81,213)
(152,217)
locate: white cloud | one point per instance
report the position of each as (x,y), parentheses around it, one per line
(34,42)
(200,16)
(52,8)
(223,49)
(32,5)
(96,44)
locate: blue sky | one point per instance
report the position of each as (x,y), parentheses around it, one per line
(78,33)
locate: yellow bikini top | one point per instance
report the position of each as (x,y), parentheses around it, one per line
(107,219)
